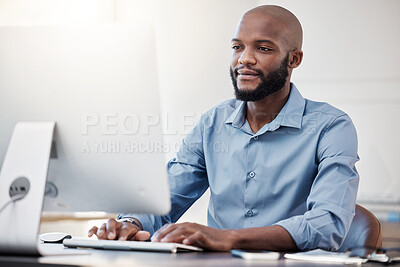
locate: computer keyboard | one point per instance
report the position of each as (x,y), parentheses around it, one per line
(76,242)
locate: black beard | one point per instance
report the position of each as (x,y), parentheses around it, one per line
(270,83)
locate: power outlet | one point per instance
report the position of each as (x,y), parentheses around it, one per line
(19,186)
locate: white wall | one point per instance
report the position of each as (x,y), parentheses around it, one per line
(55,12)
(350,60)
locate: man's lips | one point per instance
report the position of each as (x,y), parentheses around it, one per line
(246,74)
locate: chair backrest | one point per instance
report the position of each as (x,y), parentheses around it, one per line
(365,231)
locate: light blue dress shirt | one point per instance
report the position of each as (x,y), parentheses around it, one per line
(297,172)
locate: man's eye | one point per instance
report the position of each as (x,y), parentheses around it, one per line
(264,48)
(235,47)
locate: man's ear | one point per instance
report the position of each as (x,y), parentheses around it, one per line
(295,58)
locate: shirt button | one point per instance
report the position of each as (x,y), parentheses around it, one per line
(250,213)
(255,138)
(252,174)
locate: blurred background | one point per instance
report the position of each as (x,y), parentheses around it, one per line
(351,58)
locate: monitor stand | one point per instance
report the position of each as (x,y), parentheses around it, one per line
(23,176)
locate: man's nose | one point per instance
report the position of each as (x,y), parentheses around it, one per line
(247,58)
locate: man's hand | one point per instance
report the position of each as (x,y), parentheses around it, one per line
(114,230)
(196,235)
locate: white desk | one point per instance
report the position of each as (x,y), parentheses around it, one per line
(133,258)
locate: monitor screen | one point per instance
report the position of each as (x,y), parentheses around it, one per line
(99,84)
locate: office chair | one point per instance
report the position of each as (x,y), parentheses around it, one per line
(365,231)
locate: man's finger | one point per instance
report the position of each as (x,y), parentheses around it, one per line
(142,236)
(166,229)
(101,232)
(111,228)
(197,239)
(177,235)
(92,231)
(127,231)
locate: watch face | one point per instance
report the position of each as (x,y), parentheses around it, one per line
(125,220)
(129,220)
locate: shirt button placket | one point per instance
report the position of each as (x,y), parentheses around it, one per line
(250,186)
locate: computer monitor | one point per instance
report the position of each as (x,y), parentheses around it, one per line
(99,84)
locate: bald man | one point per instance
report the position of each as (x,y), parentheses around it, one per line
(287,180)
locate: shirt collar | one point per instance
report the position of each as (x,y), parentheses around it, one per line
(294,109)
(291,115)
(238,116)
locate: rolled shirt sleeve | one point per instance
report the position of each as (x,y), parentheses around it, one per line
(332,199)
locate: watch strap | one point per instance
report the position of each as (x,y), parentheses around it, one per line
(130,220)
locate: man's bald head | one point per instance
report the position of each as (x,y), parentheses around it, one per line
(266,47)
(294,33)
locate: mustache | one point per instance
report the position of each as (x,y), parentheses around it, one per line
(249,68)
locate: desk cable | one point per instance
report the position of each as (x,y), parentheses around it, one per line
(13,199)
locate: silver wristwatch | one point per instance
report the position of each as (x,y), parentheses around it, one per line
(130,220)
